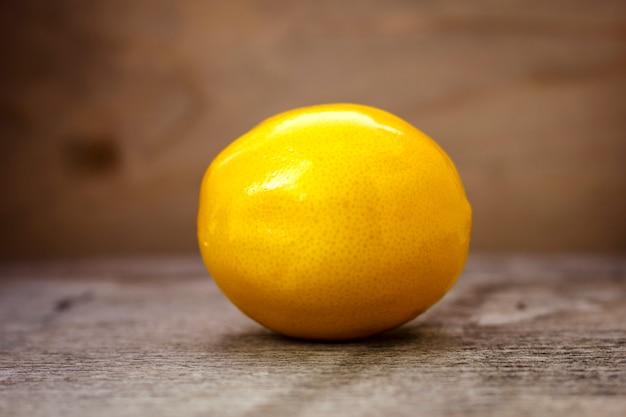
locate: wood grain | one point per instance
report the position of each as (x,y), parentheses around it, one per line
(517,336)
(110,113)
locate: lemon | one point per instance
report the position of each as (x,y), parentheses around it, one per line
(333,222)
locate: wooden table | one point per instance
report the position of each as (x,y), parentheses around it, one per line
(517,336)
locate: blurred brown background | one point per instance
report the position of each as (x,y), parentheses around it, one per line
(110,111)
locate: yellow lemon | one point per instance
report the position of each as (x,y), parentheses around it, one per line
(333,222)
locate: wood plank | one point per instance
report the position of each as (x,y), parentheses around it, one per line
(516,336)
(111,113)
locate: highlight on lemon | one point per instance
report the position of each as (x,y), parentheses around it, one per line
(333,222)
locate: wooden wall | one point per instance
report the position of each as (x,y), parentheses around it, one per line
(110,111)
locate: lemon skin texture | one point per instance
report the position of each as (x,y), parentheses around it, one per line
(333,222)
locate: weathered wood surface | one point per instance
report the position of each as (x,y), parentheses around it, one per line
(517,336)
